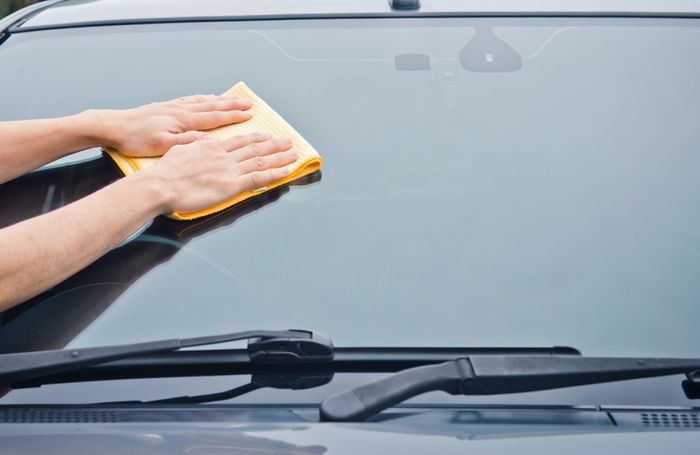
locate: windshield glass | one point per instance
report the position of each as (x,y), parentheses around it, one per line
(486,182)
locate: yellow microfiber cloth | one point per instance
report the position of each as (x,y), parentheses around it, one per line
(264,119)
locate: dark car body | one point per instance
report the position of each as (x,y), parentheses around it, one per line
(476,190)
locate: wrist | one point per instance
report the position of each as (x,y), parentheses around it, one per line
(153,190)
(98,127)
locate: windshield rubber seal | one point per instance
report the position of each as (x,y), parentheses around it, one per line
(17,26)
(20,16)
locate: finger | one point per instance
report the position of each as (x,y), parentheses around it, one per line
(194,99)
(191,136)
(225,104)
(268,147)
(257,180)
(208,120)
(234,143)
(275,160)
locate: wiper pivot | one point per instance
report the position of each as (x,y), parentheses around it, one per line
(316,347)
(691,385)
(490,375)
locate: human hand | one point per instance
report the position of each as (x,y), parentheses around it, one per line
(204,173)
(153,129)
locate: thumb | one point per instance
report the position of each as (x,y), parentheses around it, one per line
(191,136)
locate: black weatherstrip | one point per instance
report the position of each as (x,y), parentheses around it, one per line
(17,28)
(10,22)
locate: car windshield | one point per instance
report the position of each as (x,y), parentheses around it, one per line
(518,182)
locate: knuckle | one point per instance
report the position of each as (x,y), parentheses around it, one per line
(283,158)
(255,149)
(200,106)
(161,142)
(259,162)
(211,146)
(256,179)
(232,144)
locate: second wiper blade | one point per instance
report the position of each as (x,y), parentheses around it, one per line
(264,346)
(496,374)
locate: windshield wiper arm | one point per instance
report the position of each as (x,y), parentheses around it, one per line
(263,346)
(491,375)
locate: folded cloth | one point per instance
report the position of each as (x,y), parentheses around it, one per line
(264,119)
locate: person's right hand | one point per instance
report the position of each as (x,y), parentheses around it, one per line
(204,173)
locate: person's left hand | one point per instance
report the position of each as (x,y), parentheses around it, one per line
(151,130)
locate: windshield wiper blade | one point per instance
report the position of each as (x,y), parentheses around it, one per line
(263,346)
(215,362)
(491,375)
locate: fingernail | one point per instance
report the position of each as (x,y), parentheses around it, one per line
(265,135)
(285,141)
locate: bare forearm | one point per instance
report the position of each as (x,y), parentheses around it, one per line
(29,144)
(41,252)
(197,171)
(149,130)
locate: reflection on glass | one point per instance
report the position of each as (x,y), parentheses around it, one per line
(547,205)
(53,317)
(161,439)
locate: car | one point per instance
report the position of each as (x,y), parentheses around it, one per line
(508,211)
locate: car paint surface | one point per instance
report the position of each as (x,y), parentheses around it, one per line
(314,438)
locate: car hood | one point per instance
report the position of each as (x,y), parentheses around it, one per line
(317,438)
(280,431)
